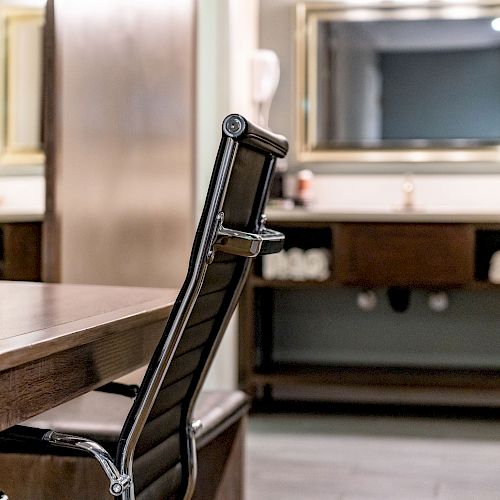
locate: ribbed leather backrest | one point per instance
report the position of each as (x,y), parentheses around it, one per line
(160,467)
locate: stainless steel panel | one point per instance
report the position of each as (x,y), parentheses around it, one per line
(123,140)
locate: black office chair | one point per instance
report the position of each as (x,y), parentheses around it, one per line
(155,451)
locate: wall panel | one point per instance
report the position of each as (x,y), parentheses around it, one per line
(121,141)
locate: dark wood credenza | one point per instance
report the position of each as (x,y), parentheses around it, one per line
(397,255)
(20,250)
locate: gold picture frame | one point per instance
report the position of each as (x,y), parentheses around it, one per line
(308,14)
(21,80)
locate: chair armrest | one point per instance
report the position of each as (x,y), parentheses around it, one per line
(3,496)
(118,483)
(272,241)
(24,434)
(248,244)
(128,390)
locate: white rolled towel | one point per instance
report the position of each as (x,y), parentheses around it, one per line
(297,269)
(494,270)
(317,263)
(275,266)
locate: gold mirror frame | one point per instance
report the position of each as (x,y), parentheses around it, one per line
(21,60)
(307,17)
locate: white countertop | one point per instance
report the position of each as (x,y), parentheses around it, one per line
(438,215)
(22,198)
(380,198)
(20,216)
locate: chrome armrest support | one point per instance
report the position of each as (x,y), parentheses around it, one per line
(248,244)
(118,483)
(238,242)
(3,496)
(193,428)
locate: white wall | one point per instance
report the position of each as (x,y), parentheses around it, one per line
(23,3)
(227,36)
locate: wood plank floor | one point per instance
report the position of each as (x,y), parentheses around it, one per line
(346,457)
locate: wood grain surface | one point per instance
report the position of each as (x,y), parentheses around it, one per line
(21,251)
(404,254)
(59,341)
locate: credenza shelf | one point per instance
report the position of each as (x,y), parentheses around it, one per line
(429,257)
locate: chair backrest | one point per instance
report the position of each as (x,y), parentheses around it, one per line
(156,444)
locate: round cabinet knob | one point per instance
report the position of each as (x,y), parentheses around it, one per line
(367,300)
(439,301)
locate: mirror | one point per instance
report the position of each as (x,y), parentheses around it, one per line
(397,82)
(21,96)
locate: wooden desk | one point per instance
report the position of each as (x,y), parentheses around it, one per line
(59,341)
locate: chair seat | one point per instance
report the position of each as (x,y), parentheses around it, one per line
(100,416)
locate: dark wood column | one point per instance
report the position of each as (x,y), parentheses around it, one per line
(120,141)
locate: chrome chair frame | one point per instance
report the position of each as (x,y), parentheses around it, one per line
(214,238)
(204,257)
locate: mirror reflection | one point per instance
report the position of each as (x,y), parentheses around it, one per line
(391,81)
(398,79)
(21,73)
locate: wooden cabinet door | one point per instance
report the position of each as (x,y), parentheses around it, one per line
(396,254)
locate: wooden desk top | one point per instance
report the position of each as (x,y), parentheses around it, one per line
(58,341)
